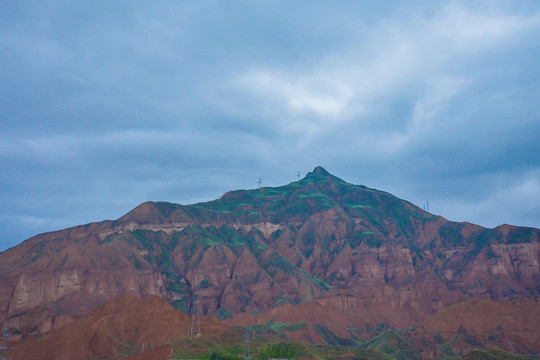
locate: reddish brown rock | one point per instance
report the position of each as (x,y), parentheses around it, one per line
(473,323)
(124,327)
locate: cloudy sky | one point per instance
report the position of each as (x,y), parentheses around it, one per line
(105,105)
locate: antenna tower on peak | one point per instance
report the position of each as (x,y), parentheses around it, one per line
(195,328)
(259,182)
(298,175)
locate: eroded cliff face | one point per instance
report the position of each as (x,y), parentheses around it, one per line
(318,241)
(71,292)
(33,289)
(56,286)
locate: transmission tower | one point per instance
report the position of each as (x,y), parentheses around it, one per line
(246,345)
(298,175)
(3,342)
(259,182)
(195,328)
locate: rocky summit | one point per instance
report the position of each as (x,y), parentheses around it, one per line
(342,262)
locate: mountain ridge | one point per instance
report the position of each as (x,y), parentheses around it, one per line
(319,240)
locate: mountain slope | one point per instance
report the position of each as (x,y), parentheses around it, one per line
(313,243)
(125,326)
(472,323)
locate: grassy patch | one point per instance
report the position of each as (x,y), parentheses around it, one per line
(317,282)
(329,336)
(209,242)
(279,262)
(313,194)
(279,351)
(182,304)
(223,314)
(256,312)
(491,354)
(392,344)
(282,299)
(208,207)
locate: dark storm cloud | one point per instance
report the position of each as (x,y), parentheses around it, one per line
(106,105)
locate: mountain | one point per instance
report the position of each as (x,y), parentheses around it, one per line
(343,257)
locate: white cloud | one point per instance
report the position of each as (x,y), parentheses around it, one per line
(472,30)
(411,56)
(317,95)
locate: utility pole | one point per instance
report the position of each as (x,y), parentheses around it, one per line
(195,328)
(246,345)
(3,342)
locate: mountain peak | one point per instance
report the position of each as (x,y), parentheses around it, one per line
(320,173)
(319,170)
